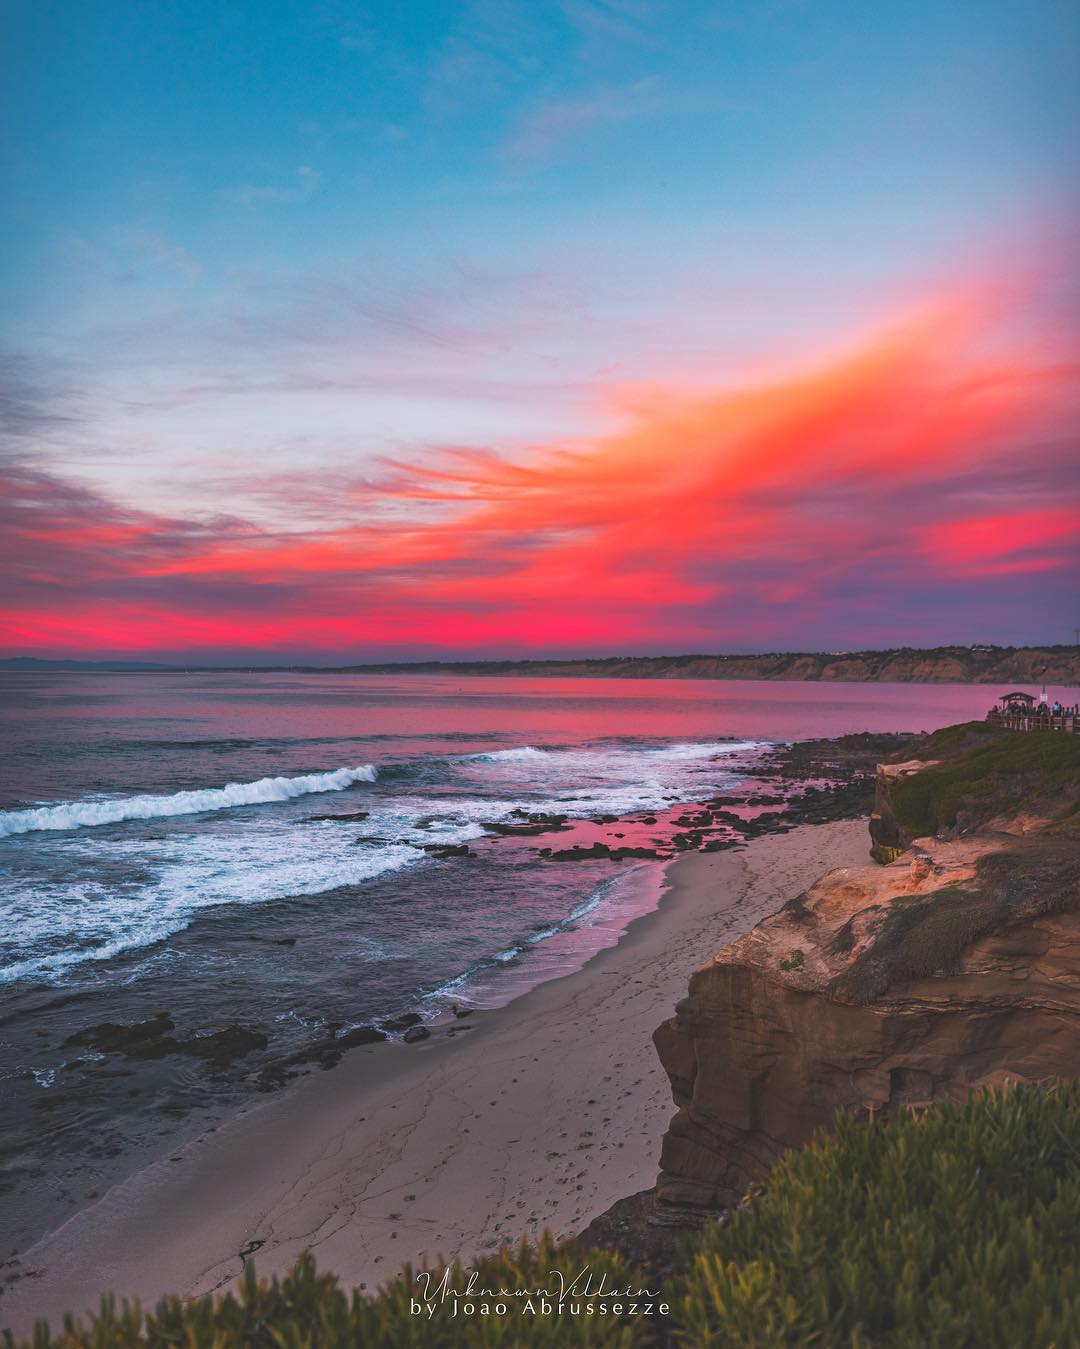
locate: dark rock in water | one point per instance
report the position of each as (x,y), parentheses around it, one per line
(603,819)
(326,1053)
(415,1033)
(54,1100)
(402,1022)
(578,853)
(443,850)
(535,824)
(284,941)
(223,1046)
(138,1040)
(371,838)
(459,1012)
(359,1035)
(151,1040)
(341,819)
(618,854)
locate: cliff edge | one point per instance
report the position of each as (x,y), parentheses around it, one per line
(949,963)
(955,965)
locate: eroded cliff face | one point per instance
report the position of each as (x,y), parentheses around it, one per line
(938,665)
(883,987)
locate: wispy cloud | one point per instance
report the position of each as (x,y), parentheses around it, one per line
(550,124)
(300,186)
(153,249)
(621,21)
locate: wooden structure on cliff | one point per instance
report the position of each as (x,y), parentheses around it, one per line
(1022,712)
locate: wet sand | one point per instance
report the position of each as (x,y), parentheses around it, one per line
(540,1114)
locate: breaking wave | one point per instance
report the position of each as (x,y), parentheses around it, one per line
(79,814)
(506,755)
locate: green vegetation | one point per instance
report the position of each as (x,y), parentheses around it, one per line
(986,772)
(919,938)
(934,1231)
(920,935)
(307,1310)
(952,1229)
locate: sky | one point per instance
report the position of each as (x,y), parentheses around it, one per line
(353,331)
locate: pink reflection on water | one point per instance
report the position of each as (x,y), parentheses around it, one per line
(545,710)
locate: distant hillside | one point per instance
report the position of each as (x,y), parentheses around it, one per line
(1021,665)
(32,663)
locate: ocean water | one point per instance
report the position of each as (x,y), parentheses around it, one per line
(164,849)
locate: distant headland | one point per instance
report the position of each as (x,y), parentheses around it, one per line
(904,665)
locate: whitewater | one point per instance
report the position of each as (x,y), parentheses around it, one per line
(266,791)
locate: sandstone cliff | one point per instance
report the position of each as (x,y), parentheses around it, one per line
(889,986)
(1003,665)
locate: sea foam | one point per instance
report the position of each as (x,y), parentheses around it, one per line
(79,814)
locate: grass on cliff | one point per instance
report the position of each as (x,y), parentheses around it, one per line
(953,1228)
(936,1231)
(986,772)
(923,935)
(921,938)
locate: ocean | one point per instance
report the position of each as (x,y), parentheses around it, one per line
(265,856)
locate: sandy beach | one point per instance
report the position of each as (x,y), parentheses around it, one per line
(540,1114)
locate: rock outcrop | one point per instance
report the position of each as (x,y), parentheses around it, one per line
(884,987)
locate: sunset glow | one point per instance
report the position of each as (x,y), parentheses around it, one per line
(658,432)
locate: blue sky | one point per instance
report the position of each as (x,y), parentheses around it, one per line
(255,240)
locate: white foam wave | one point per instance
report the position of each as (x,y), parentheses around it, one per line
(63,925)
(79,814)
(507,755)
(115,891)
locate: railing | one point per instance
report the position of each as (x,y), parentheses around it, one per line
(1039,718)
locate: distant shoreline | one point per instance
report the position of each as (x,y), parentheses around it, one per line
(898,665)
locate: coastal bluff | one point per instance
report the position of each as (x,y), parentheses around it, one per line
(1010,665)
(954,965)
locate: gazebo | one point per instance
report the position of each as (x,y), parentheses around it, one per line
(1017,702)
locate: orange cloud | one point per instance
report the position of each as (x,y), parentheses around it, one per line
(706,514)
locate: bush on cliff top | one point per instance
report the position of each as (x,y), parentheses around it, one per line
(937,1231)
(996,772)
(947,1230)
(308,1310)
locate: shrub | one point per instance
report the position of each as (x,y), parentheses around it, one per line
(920,937)
(954,1228)
(1001,772)
(308,1310)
